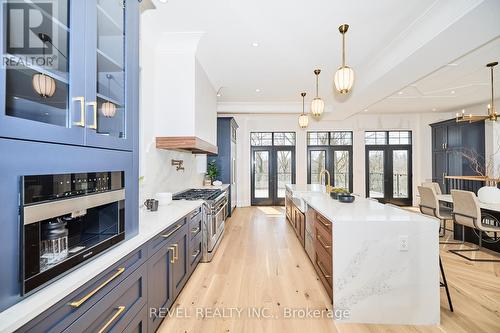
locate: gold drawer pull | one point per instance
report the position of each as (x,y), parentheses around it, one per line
(319,238)
(194,255)
(172,232)
(77,304)
(322,220)
(176,252)
(80,123)
(172,260)
(194,231)
(120,309)
(320,265)
(94,107)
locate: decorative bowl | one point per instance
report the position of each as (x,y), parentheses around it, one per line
(345,198)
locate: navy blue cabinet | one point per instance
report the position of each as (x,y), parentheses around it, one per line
(226,157)
(72,79)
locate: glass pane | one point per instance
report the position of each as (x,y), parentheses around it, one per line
(341,169)
(375,138)
(400,138)
(317,138)
(261,160)
(376,173)
(318,164)
(110,68)
(400,173)
(284,139)
(341,138)
(35,58)
(261,139)
(284,168)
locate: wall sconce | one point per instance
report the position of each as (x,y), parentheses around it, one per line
(179,164)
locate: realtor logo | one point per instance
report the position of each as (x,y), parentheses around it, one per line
(29,33)
(26,22)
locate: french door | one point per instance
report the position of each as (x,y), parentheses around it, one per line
(272,168)
(389,174)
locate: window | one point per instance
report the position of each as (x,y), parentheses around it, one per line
(375,138)
(330,151)
(400,138)
(388,137)
(261,139)
(341,138)
(284,139)
(272,139)
(317,138)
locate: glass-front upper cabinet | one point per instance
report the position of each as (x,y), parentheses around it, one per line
(41,97)
(109,113)
(69,71)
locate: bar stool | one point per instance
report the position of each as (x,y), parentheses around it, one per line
(429,205)
(467,212)
(443,284)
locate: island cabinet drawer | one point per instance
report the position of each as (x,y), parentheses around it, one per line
(323,239)
(195,224)
(70,308)
(324,267)
(323,222)
(116,311)
(166,235)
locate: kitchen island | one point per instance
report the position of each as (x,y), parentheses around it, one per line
(385,260)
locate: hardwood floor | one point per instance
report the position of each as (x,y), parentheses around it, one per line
(261,264)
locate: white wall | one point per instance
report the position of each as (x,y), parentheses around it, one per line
(205,106)
(418,124)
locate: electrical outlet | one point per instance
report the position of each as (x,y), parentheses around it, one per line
(403,243)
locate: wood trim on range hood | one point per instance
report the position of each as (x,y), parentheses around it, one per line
(186,143)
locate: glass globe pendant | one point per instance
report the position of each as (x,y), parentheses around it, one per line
(317,104)
(344,77)
(108,109)
(303,118)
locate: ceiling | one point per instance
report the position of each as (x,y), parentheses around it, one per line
(390,44)
(457,85)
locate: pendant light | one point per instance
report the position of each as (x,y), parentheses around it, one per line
(108,109)
(44,85)
(303,118)
(344,77)
(317,104)
(492,114)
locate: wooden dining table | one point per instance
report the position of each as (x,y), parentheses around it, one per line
(491,207)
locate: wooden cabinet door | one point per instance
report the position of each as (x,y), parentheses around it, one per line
(160,291)
(180,267)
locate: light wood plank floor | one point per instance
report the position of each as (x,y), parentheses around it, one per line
(261,264)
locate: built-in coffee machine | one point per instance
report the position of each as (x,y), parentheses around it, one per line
(66,220)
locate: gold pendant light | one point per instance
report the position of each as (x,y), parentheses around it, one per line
(303,118)
(344,77)
(492,115)
(317,104)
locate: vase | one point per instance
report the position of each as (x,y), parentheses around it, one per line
(489,195)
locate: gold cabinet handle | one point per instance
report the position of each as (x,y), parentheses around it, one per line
(94,106)
(117,314)
(321,219)
(172,260)
(80,123)
(77,304)
(176,252)
(194,231)
(172,232)
(319,238)
(320,265)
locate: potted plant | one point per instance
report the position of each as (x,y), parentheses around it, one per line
(212,171)
(338,190)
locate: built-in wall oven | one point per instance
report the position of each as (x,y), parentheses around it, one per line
(66,220)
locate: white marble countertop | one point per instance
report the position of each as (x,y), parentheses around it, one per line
(376,279)
(150,224)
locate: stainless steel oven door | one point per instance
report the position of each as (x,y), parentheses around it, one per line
(216,224)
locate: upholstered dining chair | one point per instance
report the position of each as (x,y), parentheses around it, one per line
(467,213)
(429,205)
(443,206)
(434,185)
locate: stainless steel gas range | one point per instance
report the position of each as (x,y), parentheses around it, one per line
(214,216)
